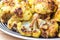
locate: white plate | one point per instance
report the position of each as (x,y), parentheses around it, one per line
(15,34)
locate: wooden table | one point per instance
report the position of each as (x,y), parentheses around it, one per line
(4,36)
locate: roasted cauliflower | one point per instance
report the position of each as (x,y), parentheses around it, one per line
(32,18)
(13,20)
(48,29)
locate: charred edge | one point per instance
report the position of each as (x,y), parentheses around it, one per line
(18,12)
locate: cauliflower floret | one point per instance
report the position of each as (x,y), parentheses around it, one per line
(42,8)
(24,29)
(28,27)
(48,28)
(36,32)
(12,20)
(25,15)
(11,4)
(5,13)
(4,16)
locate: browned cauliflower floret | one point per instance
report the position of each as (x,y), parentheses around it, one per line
(5,17)
(35,31)
(43,6)
(25,15)
(48,28)
(13,20)
(28,28)
(24,28)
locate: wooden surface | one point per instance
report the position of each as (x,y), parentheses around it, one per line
(4,36)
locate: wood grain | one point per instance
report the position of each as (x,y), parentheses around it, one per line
(4,36)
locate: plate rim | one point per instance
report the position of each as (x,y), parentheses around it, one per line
(23,37)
